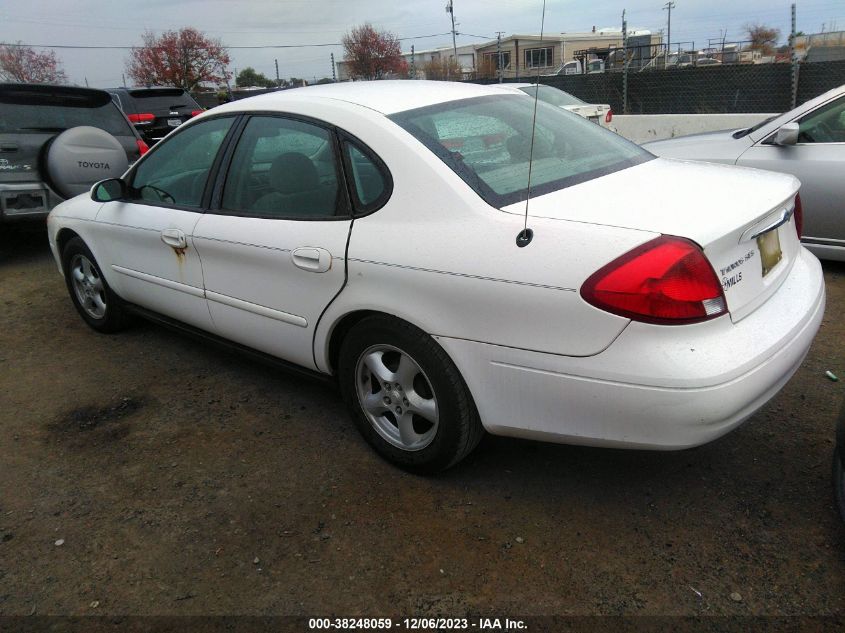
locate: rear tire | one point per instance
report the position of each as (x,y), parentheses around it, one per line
(406,396)
(92,297)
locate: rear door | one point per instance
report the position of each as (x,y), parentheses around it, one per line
(818,160)
(148,237)
(274,248)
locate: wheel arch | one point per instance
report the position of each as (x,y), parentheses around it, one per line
(328,354)
(64,236)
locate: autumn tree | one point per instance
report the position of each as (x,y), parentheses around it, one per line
(763,38)
(23,64)
(250,77)
(373,54)
(183,59)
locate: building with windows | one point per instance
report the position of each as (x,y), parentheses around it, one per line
(525,55)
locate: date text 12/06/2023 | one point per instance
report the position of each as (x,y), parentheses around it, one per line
(417,624)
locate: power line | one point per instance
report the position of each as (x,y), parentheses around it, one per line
(257,47)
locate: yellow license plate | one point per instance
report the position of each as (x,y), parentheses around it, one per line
(770,253)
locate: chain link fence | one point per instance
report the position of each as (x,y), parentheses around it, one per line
(702,89)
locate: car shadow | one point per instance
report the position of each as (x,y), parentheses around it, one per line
(23,242)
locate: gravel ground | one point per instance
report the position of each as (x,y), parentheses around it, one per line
(148,473)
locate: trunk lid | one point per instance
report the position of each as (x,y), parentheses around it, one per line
(721,208)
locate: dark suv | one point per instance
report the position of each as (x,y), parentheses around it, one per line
(55,142)
(156,111)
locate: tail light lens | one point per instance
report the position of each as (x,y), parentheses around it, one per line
(667,280)
(141,118)
(609,116)
(798,216)
(196,112)
(142,146)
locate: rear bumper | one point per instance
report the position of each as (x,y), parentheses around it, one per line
(655,387)
(22,201)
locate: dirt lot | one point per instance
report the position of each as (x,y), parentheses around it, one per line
(147,473)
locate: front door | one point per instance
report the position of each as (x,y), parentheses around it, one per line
(149,236)
(818,160)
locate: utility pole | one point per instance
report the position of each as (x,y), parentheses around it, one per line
(451,11)
(624,64)
(278,83)
(413,64)
(86,82)
(793,59)
(334,76)
(122,76)
(668,7)
(499,54)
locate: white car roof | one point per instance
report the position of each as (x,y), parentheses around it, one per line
(385,96)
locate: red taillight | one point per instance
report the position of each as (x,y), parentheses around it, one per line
(141,118)
(142,146)
(667,280)
(798,216)
(196,112)
(609,116)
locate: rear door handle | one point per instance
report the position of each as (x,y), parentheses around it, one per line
(312,259)
(174,237)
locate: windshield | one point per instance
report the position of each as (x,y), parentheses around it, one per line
(487,141)
(38,110)
(162,100)
(553,95)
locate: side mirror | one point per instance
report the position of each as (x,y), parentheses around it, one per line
(108,190)
(787,134)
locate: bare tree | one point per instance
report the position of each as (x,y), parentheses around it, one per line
(763,38)
(23,64)
(442,69)
(373,54)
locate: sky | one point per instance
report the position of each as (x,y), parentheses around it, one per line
(299,22)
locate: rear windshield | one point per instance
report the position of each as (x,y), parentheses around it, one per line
(553,95)
(162,100)
(487,141)
(34,111)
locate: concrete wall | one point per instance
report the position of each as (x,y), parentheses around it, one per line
(642,128)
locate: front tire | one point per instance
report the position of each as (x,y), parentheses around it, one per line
(406,396)
(92,297)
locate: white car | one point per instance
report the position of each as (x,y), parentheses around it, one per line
(374,233)
(600,113)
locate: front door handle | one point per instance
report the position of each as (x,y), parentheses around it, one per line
(174,238)
(312,259)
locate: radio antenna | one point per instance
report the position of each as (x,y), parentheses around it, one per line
(526,235)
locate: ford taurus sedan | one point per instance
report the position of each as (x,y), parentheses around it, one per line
(376,233)
(808,142)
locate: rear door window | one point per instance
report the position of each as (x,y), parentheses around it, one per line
(284,168)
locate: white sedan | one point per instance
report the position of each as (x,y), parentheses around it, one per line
(600,113)
(374,233)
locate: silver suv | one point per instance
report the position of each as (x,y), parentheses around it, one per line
(55,142)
